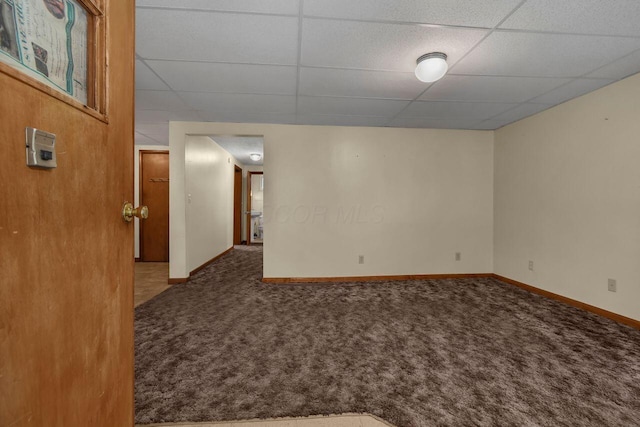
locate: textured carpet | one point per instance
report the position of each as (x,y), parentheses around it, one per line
(417,353)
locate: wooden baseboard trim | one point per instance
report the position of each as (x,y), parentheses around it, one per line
(584,306)
(215,258)
(175,281)
(285,280)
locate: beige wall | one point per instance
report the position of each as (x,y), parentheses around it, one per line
(405,199)
(567,197)
(209,175)
(200,202)
(562,190)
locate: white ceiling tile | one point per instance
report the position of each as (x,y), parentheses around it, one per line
(611,17)
(161,139)
(490,89)
(394,47)
(221,37)
(543,55)
(434,122)
(248,117)
(623,67)
(445,109)
(241,103)
(236,60)
(144,140)
(153,116)
(349,106)
(158,100)
(520,112)
(289,7)
(488,125)
(444,12)
(340,120)
(572,90)
(153,129)
(146,80)
(368,84)
(212,77)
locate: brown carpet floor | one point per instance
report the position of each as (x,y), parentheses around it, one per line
(417,353)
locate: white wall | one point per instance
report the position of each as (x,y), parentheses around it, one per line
(200,200)
(177,203)
(567,197)
(406,199)
(136,187)
(209,175)
(257,193)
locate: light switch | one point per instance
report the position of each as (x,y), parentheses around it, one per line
(41,148)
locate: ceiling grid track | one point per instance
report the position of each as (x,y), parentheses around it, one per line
(243,61)
(298,62)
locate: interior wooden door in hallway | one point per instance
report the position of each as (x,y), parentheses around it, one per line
(66,254)
(154,193)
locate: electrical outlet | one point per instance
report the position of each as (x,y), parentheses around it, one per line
(611,285)
(458,256)
(360,259)
(531,265)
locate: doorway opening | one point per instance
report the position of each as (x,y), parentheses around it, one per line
(255,208)
(248,153)
(152,273)
(237,205)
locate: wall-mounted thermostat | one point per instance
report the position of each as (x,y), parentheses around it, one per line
(41,148)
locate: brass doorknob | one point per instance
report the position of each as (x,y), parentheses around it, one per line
(128,212)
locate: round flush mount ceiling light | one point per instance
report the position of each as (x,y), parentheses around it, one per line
(255,156)
(431,67)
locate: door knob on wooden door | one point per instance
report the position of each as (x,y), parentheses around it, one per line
(128,212)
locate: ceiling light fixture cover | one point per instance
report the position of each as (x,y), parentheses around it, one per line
(431,67)
(255,156)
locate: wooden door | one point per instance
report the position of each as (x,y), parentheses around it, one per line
(154,193)
(66,255)
(237,206)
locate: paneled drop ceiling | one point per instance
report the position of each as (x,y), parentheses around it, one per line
(339,62)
